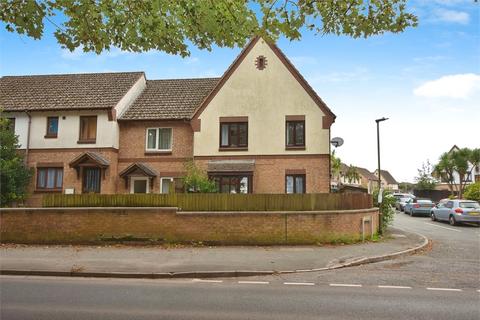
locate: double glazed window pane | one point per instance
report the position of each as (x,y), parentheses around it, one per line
(151,138)
(88,128)
(52,126)
(159,139)
(295,133)
(49,178)
(295,184)
(233,135)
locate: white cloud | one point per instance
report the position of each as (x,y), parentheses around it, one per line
(451,86)
(76,54)
(453,16)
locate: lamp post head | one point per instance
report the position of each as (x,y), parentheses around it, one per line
(381,119)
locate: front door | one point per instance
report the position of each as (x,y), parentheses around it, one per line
(91,180)
(139,185)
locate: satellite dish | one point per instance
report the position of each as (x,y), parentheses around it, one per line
(336,142)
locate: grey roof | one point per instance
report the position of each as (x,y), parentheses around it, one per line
(144,168)
(170,99)
(388,177)
(94,156)
(65,91)
(367,174)
(231,165)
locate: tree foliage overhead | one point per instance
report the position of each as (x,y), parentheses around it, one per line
(166,25)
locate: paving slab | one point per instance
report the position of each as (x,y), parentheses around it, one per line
(195,261)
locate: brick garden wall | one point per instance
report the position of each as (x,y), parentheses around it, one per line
(97,225)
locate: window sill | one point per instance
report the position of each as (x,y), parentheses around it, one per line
(158,152)
(86,141)
(48,191)
(233,149)
(295,148)
(50,136)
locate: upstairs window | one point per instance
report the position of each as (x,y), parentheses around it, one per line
(159,139)
(52,127)
(49,178)
(234,135)
(295,134)
(88,129)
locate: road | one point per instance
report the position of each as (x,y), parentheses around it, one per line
(442,283)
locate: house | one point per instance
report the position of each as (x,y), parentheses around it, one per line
(387,180)
(473,177)
(260,128)
(364,180)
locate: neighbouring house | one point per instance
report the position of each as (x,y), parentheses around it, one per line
(260,128)
(365,182)
(472,178)
(387,180)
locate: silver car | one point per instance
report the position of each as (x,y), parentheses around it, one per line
(419,207)
(457,211)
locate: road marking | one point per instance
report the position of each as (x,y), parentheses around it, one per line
(431,224)
(344,285)
(210,281)
(444,289)
(253,282)
(299,283)
(394,287)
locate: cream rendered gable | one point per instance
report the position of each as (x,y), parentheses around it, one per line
(266,97)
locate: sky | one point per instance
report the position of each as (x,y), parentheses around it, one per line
(426,80)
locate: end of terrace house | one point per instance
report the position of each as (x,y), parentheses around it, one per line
(260,128)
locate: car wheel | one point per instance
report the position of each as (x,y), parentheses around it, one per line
(452,221)
(432,215)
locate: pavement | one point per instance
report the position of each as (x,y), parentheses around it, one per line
(192,262)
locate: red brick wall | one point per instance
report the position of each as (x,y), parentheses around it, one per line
(63,157)
(270,171)
(91,225)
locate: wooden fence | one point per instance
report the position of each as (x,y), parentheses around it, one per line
(217,201)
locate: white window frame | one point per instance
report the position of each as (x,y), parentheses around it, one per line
(133,179)
(161,182)
(156,142)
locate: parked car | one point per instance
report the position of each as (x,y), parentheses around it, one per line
(456,211)
(419,207)
(400,203)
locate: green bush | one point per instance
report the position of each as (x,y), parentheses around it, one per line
(387,208)
(472,192)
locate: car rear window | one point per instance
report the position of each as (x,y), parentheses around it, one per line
(424,201)
(473,205)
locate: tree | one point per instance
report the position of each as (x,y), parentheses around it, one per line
(352,174)
(459,163)
(425,180)
(166,25)
(335,166)
(472,192)
(196,180)
(14,175)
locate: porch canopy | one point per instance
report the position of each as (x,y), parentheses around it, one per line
(231,166)
(89,159)
(138,169)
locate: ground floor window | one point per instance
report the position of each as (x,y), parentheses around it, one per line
(167,183)
(91,180)
(49,178)
(233,183)
(139,185)
(295,183)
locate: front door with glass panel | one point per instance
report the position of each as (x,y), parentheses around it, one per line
(139,185)
(91,180)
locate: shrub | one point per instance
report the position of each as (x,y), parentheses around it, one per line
(196,180)
(387,208)
(472,192)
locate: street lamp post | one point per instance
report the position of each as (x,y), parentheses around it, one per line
(378,149)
